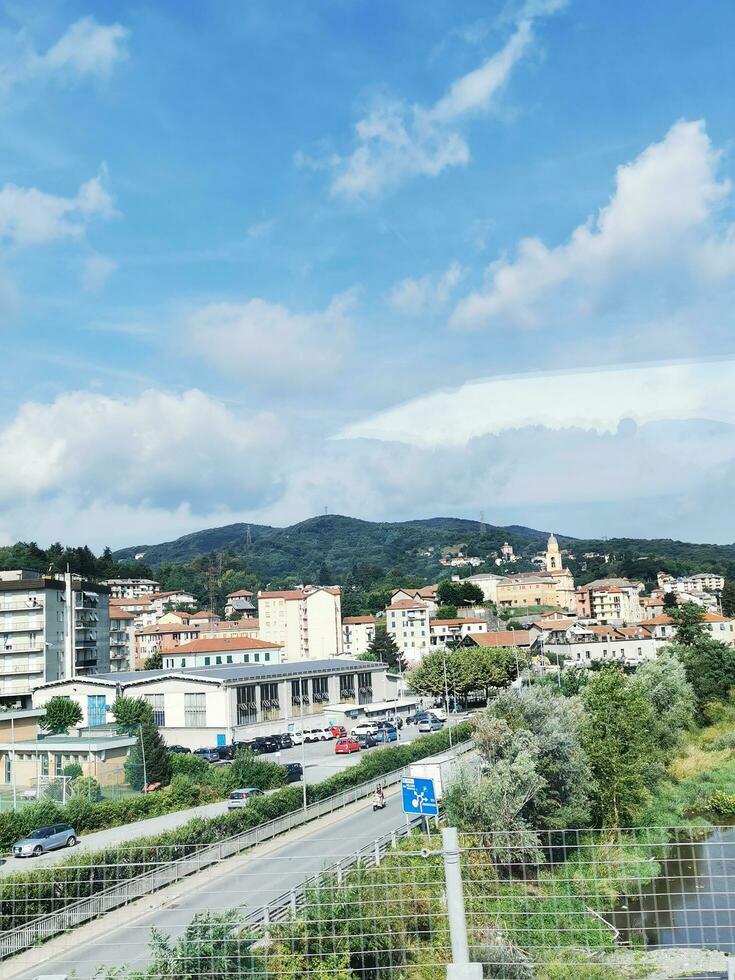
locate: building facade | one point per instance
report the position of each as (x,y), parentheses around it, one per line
(131,588)
(407,621)
(122,639)
(306,623)
(719,627)
(610,600)
(240,604)
(215,705)
(444,631)
(214,652)
(162,638)
(358,632)
(50,627)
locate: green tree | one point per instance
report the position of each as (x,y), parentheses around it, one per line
(384,649)
(446,612)
(618,737)
(449,593)
(728,598)
(689,627)
(555,722)
(669,601)
(148,759)
(154,662)
(472,594)
(61,714)
(671,695)
(73,770)
(710,669)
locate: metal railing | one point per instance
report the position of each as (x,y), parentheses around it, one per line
(30,934)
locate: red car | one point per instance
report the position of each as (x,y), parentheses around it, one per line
(339,731)
(343,746)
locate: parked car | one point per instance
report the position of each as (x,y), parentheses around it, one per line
(294,772)
(241,797)
(416,717)
(45,839)
(439,713)
(284,741)
(297,738)
(339,731)
(318,735)
(365,728)
(366,741)
(179,748)
(386,735)
(344,746)
(394,720)
(209,755)
(430,725)
(265,743)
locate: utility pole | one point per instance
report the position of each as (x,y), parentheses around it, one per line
(460,968)
(142,753)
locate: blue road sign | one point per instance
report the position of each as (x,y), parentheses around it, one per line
(419,797)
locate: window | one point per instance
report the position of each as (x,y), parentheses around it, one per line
(58,765)
(8,770)
(195,711)
(257,658)
(247,706)
(320,690)
(246,658)
(182,664)
(159,713)
(266,657)
(218,660)
(44,765)
(229,658)
(207,661)
(270,707)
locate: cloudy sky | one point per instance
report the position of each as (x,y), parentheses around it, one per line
(392,259)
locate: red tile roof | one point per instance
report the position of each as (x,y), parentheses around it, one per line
(502,638)
(408,604)
(289,594)
(357,620)
(454,622)
(240,594)
(216,644)
(116,613)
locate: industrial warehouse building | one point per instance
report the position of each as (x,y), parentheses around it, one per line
(201,706)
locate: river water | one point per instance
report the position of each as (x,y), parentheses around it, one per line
(691,903)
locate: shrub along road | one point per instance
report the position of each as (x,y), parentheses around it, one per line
(321,762)
(250,881)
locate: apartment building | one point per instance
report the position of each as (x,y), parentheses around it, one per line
(148,609)
(443,631)
(131,588)
(427,594)
(216,651)
(553,586)
(306,622)
(699,582)
(407,621)
(122,639)
(231,627)
(610,600)
(240,604)
(358,632)
(50,628)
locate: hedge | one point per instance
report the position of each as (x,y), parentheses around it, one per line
(195,782)
(25,896)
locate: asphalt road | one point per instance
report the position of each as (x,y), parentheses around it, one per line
(250,884)
(321,762)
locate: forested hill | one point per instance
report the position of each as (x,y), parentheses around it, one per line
(329,547)
(338,543)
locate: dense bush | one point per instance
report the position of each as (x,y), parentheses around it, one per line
(722,804)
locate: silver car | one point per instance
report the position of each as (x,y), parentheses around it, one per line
(241,797)
(45,839)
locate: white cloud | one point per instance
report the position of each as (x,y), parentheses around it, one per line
(86,49)
(397,140)
(662,217)
(266,342)
(592,400)
(96,271)
(427,293)
(156,449)
(31,217)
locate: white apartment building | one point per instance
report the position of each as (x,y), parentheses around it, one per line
(122,639)
(407,621)
(231,627)
(148,609)
(443,631)
(131,588)
(306,622)
(161,637)
(50,628)
(611,600)
(427,594)
(358,632)
(699,582)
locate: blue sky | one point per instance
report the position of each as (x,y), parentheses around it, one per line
(259,259)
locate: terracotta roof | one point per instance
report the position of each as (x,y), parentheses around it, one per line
(635,632)
(144,600)
(203,614)
(235,624)
(216,644)
(454,622)
(665,620)
(292,594)
(116,613)
(610,583)
(408,604)
(240,594)
(356,620)
(502,638)
(161,628)
(554,624)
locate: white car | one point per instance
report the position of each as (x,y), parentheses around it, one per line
(297,737)
(318,735)
(365,728)
(439,713)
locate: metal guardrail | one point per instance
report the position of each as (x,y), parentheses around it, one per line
(122,893)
